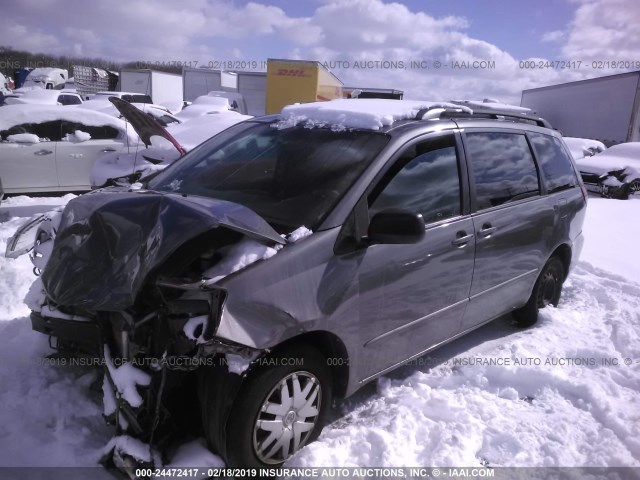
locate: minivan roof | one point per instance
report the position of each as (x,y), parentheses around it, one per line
(381,114)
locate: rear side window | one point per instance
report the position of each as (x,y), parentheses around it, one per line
(46,131)
(555,164)
(69,100)
(503,168)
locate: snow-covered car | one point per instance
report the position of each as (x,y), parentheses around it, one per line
(613,173)
(40,96)
(293,258)
(164,145)
(213,103)
(52,148)
(583,147)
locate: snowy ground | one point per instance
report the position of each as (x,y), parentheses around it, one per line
(558,394)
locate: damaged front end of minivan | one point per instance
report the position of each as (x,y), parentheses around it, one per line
(131,280)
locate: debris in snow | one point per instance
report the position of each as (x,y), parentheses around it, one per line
(126,379)
(23,138)
(77,137)
(368,114)
(239,256)
(124,445)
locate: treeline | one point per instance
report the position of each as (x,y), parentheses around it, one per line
(11,60)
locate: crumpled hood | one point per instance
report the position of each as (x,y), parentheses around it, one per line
(111,239)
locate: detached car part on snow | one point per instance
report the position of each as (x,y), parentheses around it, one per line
(422,230)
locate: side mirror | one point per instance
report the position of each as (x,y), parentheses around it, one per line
(395,226)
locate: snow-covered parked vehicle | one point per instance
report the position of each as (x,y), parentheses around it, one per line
(40,96)
(293,258)
(583,147)
(49,148)
(613,173)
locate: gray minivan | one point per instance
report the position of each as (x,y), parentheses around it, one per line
(422,223)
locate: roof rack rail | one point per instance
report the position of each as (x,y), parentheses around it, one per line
(435,111)
(497,114)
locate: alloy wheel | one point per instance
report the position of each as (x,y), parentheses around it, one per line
(287,417)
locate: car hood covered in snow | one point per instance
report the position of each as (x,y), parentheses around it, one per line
(110,240)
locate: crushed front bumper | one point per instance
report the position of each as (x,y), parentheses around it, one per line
(71,335)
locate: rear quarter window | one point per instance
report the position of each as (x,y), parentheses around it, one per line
(46,131)
(556,166)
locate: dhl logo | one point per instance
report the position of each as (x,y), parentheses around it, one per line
(292,72)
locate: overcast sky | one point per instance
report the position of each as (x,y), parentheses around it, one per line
(498,35)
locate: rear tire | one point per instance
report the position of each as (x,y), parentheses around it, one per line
(281,406)
(546,291)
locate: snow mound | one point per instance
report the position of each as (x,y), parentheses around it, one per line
(126,378)
(239,256)
(23,138)
(77,137)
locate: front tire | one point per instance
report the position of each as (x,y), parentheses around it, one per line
(281,407)
(546,291)
(634,187)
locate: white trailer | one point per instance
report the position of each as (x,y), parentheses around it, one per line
(164,88)
(251,85)
(200,81)
(605,109)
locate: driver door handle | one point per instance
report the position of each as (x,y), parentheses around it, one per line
(43,152)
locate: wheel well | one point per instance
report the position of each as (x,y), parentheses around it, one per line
(332,348)
(563,252)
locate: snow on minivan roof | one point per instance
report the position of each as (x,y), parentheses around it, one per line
(365,113)
(12,115)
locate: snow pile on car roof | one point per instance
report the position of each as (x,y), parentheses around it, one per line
(367,114)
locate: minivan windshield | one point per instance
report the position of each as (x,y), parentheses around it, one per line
(291,177)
